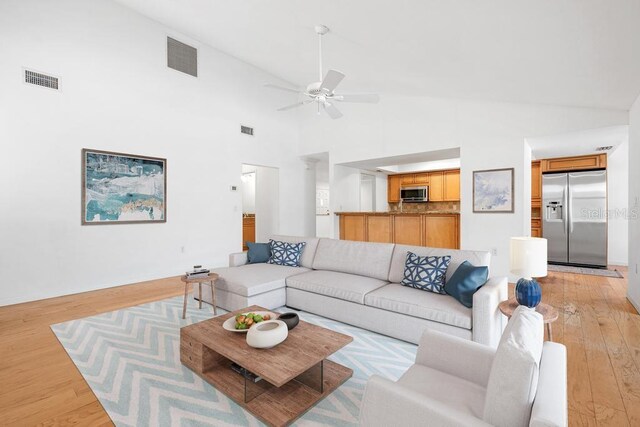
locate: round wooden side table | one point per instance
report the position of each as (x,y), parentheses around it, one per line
(549,313)
(211,279)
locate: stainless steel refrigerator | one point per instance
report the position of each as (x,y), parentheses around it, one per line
(574,217)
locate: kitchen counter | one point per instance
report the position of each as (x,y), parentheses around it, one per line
(436,229)
(444,212)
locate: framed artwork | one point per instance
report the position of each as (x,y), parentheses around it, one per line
(493,191)
(120,188)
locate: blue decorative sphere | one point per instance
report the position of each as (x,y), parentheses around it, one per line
(528,292)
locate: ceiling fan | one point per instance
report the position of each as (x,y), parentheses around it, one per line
(322,92)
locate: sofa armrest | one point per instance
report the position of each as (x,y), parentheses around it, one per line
(386,403)
(488,322)
(455,356)
(237,259)
(550,404)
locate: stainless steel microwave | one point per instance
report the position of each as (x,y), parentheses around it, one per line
(415,194)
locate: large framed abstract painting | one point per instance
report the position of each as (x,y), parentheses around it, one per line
(120,188)
(493,191)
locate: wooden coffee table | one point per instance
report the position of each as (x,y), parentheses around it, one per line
(295,374)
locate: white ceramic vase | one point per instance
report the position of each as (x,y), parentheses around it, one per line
(267,334)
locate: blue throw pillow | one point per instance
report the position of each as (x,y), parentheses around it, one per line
(258,252)
(426,273)
(285,253)
(466,280)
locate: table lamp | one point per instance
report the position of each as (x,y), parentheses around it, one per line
(528,260)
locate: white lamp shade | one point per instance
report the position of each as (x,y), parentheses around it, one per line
(529,256)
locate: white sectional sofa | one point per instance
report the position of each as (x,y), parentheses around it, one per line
(359,283)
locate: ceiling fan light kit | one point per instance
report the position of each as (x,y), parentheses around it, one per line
(322,92)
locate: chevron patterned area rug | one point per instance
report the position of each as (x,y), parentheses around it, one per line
(131,360)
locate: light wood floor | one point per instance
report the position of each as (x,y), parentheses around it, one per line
(40,385)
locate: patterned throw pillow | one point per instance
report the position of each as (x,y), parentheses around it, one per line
(285,253)
(426,273)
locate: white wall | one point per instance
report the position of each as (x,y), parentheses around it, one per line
(117,94)
(490,135)
(267,202)
(367,192)
(618,204)
(633,291)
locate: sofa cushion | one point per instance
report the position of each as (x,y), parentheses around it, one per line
(309,251)
(458,394)
(349,287)
(254,279)
(258,252)
(396,272)
(361,258)
(466,280)
(513,380)
(425,272)
(425,305)
(285,253)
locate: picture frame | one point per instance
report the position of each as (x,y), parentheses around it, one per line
(121,188)
(493,191)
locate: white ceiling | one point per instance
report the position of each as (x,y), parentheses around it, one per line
(578,143)
(563,52)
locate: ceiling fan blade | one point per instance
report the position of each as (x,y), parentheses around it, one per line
(332,111)
(370,98)
(331,80)
(289,107)
(272,86)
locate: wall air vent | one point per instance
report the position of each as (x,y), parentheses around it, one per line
(604,148)
(40,79)
(182,57)
(246,130)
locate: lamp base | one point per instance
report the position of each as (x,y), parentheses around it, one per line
(528,292)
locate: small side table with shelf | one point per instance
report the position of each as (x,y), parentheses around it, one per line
(210,279)
(549,313)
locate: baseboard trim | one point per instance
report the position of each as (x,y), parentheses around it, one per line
(634,304)
(99,287)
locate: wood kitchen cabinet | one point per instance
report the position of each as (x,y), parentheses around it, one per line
(393,188)
(441,231)
(536,184)
(421,178)
(380,228)
(566,164)
(436,186)
(444,186)
(451,185)
(407,229)
(248,231)
(536,227)
(420,229)
(409,179)
(353,227)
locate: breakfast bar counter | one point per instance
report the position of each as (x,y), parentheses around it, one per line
(438,229)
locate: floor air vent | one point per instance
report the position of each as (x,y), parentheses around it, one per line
(182,57)
(40,79)
(246,130)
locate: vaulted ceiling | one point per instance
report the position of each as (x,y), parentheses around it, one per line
(563,52)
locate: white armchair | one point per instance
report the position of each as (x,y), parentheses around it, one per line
(454,383)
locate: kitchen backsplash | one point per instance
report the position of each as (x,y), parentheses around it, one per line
(425,207)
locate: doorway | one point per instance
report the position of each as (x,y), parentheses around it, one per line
(367,193)
(260,203)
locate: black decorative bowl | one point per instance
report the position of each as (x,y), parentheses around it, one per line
(290,319)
